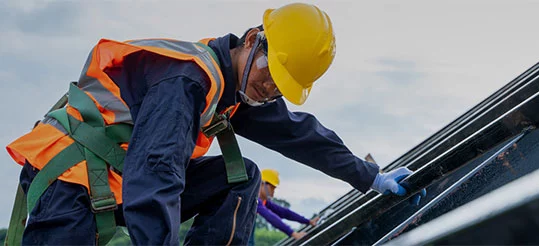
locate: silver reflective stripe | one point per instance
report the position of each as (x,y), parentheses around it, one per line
(174,45)
(194,50)
(53,122)
(104,97)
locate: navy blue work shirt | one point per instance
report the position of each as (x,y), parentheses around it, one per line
(296,135)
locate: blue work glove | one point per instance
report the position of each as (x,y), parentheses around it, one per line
(386,183)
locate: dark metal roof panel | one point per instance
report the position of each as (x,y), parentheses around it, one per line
(499,118)
(506,216)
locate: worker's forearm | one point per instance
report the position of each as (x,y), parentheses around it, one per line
(274,220)
(286,213)
(301,137)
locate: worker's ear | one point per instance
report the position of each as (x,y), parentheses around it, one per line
(250,38)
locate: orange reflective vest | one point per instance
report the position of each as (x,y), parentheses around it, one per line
(49,138)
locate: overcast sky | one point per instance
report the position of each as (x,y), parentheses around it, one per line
(402,70)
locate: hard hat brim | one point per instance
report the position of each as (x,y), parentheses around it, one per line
(272,183)
(287,85)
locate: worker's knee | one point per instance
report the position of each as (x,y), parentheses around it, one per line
(62,215)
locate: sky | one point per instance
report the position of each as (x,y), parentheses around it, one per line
(402,71)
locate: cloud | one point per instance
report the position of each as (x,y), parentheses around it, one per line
(313,202)
(45,18)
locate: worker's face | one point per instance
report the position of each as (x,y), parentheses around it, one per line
(260,84)
(266,190)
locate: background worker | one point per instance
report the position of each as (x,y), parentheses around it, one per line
(273,212)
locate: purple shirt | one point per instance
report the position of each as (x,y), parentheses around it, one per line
(273,213)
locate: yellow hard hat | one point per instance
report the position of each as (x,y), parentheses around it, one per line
(301,46)
(270,176)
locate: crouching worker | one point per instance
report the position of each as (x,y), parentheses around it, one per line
(168,99)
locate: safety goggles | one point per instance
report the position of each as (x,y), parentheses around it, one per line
(260,63)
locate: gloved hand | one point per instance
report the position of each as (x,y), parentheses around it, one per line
(386,183)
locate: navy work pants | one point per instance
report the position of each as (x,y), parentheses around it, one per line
(225,212)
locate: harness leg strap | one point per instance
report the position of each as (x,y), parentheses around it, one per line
(18,219)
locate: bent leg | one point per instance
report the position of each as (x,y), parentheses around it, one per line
(225,212)
(62,215)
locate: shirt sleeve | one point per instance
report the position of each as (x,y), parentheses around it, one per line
(166,98)
(301,137)
(162,142)
(273,219)
(286,213)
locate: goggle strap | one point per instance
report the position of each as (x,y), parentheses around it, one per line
(247,69)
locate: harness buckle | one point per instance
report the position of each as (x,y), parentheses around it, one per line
(104,204)
(219,124)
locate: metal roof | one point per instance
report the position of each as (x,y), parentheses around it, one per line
(456,165)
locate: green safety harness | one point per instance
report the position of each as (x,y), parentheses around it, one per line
(98,144)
